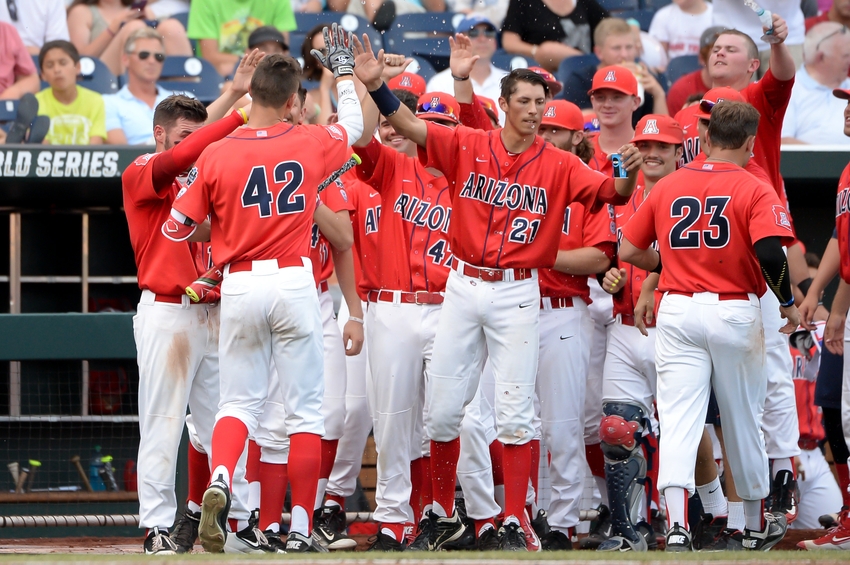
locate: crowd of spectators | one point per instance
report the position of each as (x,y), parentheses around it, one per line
(42,42)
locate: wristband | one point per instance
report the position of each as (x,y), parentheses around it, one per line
(244,115)
(657,268)
(355,319)
(385,100)
(789,303)
(460,78)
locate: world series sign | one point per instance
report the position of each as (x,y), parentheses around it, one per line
(65,162)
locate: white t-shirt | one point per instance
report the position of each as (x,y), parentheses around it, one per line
(39,21)
(491,88)
(814,115)
(733,14)
(680,30)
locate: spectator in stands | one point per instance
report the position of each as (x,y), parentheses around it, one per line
(493,10)
(307,6)
(382,12)
(615,45)
(678,26)
(316,79)
(129,112)
(268,40)
(37,21)
(163,9)
(99,28)
(698,81)
(838,12)
(486,79)
(77,115)
(814,115)
(551,31)
(734,14)
(222,27)
(17,72)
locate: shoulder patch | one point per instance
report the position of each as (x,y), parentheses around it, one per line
(142,160)
(781,217)
(335,132)
(193,175)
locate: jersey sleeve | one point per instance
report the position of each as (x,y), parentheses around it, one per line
(599,227)
(441,150)
(640,229)
(473,115)
(591,187)
(336,198)
(775,94)
(334,141)
(137,180)
(768,217)
(378,164)
(194,202)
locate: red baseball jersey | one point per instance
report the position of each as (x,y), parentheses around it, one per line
(509,209)
(365,219)
(809,416)
(259,186)
(414,252)
(335,198)
(600,161)
(842,223)
(706,218)
(687,117)
(580,229)
(626,299)
(164,266)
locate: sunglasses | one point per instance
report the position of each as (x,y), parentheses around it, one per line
(13,10)
(438,108)
(705,106)
(475,32)
(842,31)
(547,76)
(160,57)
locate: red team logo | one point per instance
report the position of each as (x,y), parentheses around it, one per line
(781,217)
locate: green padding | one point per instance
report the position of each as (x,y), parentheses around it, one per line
(67,336)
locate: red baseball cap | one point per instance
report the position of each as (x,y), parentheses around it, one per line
(657,127)
(563,114)
(438,106)
(408,81)
(489,107)
(841,93)
(615,77)
(591,122)
(555,85)
(715,95)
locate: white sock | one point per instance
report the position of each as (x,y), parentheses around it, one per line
(783,464)
(332,503)
(254,494)
(736,519)
(389,532)
(677,503)
(193,506)
(427,508)
(274,526)
(300,521)
(713,499)
(439,510)
(320,493)
(222,471)
(241,525)
(754,515)
(499,495)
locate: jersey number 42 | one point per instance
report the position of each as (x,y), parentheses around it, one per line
(287,178)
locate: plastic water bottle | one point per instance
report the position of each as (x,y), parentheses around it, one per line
(766,19)
(94,470)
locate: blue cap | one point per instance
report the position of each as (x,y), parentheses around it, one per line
(471,21)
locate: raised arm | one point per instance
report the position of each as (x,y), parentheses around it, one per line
(394,65)
(781,62)
(368,69)
(461,62)
(238,87)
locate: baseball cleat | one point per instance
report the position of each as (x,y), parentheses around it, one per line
(273,538)
(296,543)
(532,542)
(512,536)
(157,542)
(541,524)
(771,534)
(784,495)
(556,540)
(250,541)
(329,528)
(185,531)
(707,531)
(215,507)
(446,530)
(384,542)
(678,539)
(836,538)
(422,542)
(600,532)
(828,521)
(488,540)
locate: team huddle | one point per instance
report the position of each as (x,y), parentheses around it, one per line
(504,288)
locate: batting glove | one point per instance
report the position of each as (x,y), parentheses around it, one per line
(338,55)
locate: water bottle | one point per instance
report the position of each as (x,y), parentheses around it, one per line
(94,471)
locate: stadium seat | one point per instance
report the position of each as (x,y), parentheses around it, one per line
(421,67)
(198,76)
(654,4)
(94,75)
(183,18)
(424,35)
(349,22)
(572,64)
(8,111)
(680,66)
(643,17)
(508,61)
(615,6)
(296,39)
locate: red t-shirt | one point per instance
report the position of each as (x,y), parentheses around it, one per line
(626,299)
(414,252)
(164,266)
(842,223)
(259,186)
(683,88)
(708,217)
(814,20)
(365,219)
(809,416)
(509,209)
(336,199)
(580,229)
(600,161)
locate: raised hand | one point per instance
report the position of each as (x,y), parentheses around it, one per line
(245,70)
(462,59)
(367,67)
(337,55)
(394,65)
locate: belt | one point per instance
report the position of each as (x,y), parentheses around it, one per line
(283,262)
(323,287)
(720,296)
(555,303)
(420,297)
(629,320)
(808,444)
(491,275)
(168,299)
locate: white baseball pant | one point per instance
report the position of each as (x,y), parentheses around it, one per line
(333,402)
(565,343)
(703,342)
(601,311)
(177,354)
(819,493)
(630,369)
(845,385)
(479,318)
(474,468)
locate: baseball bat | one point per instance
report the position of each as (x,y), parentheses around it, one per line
(85,478)
(34,465)
(22,479)
(347,166)
(14,469)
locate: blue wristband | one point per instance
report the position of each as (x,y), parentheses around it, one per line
(385,100)
(789,303)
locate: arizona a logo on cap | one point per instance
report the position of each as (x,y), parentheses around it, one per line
(651,127)
(435,100)
(405,81)
(611,76)
(550,112)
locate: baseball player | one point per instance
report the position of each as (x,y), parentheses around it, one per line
(507,219)
(721,227)
(175,340)
(270,306)
(628,426)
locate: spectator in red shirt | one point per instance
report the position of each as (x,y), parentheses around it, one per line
(698,81)
(17,71)
(838,12)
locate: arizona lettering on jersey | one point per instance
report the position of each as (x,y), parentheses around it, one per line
(509,209)
(365,217)
(842,223)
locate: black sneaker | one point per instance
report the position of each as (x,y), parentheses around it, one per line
(157,542)
(326,530)
(512,537)
(645,529)
(254,518)
(446,530)
(784,496)
(426,532)
(215,507)
(274,541)
(27,112)
(296,543)
(249,541)
(185,531)
(707,531)
(540,524)
(828,521)
(678,539)
(772,533)
(556,540)
(384,542)
(600,532)
(489,540)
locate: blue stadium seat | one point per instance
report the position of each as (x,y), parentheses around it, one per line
(508,61)
(8,111)
(615,6)
(424,35)
(190,74)
(184,19)
(643,17)
(296,38)
(680,66)
(349,22)
(94,75)
(654,4)
(573,64)
(422,67)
